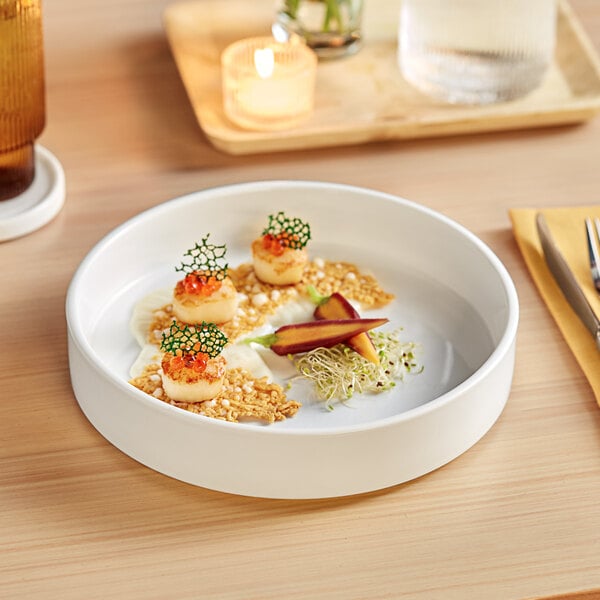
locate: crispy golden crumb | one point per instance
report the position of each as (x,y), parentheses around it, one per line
(242,398)
(329,277)
(259,300)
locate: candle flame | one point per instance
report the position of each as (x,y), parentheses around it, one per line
(264,61)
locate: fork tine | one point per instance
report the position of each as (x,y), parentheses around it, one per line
(593,250)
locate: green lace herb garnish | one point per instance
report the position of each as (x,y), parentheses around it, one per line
(206,260)
(290,232)
(204,338)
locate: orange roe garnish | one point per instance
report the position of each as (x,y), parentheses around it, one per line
(196,362)
(277,245)
(273,245)
(198,284)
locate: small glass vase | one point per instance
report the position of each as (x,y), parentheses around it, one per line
(332,28)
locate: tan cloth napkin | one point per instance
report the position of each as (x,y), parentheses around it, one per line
(568,230)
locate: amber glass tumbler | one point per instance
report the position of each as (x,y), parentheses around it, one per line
(22,93)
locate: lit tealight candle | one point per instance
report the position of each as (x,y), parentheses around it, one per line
(268,85)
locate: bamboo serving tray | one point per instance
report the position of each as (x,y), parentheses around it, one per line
(364,98)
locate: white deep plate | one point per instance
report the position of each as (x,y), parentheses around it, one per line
(454,298)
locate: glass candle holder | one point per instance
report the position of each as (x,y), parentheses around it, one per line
(22,93)
(268,85)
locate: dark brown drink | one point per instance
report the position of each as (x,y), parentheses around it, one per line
(22,93)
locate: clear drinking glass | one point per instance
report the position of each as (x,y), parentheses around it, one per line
(332,28)
(22,93)
(476,51)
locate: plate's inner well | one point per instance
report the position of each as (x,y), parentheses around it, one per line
(452,340)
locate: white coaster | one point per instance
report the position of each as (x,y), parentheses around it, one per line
(37,205)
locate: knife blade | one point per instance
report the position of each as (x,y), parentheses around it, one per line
(566,280)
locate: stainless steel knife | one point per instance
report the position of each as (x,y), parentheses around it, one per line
(566,280)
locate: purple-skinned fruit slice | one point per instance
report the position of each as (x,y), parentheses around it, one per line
(337,307)
(303,337)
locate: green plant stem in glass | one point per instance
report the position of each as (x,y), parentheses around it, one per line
(332,28)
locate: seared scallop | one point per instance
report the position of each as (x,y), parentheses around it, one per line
(280,266)
(192,378)
(214,302)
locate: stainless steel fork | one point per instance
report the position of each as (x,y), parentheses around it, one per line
(593,240)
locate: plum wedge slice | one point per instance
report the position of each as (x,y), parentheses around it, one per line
(337,307)
(303,337)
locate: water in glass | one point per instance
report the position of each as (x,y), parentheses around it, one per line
(476,51)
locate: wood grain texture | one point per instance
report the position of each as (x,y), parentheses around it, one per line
(515,517)
(364,98)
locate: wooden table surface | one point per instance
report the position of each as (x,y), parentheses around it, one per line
(517,516)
